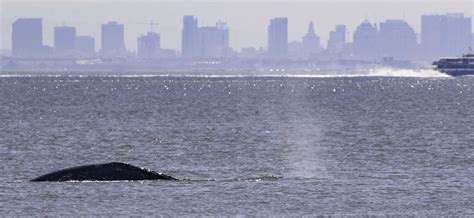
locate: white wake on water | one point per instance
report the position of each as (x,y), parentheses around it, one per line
(388,72)
(380,72)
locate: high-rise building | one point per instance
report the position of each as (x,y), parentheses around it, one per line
(445,35)
(337,39)
(397,39)
(85,45)
(214,41)
(64,39)
(113,40)
(365,45)
(148,45)
(311,41)
(458,35)
(189,37)
(472,42)
(204,42)
(278,38)
(27,37)
(431,35)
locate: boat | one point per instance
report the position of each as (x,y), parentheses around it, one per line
(460,66)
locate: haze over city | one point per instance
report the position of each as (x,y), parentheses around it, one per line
(247,21)
(227,36)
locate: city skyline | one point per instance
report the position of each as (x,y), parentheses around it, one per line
(170,28)
(449,34)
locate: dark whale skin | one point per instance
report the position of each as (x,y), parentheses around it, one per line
(114,171)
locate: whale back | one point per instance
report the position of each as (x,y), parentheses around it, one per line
(103,172)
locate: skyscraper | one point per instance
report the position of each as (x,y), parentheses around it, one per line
(113,42)
(148,45)
(189,37)
(472,42)
(397,39)
(27,37)
(204,42)
(278,38)
(214,41)
(337,39)
(365,45)
(64,39)
(445,35)
(310,41)
(458,35)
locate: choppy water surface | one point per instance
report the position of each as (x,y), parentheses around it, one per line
(249,146)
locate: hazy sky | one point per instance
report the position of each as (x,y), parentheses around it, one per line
(247,20)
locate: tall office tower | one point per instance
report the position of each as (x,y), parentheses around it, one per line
(431,35)
(397,39)
(149,45)
(310,41)
(189,37)
(365,45)
(27,37)
(214,41)
(64,39)
(278,38)
(85,45)
(472,42)
(445,35)
(337,39)
(113,42)
(458,35)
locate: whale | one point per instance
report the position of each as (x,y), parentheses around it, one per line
(114,171)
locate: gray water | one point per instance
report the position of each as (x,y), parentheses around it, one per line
(246,146)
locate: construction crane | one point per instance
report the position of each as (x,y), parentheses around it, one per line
(151,23)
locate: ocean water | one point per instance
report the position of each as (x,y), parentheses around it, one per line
(243,145)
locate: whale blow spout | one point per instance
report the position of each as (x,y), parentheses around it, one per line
(113,171)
